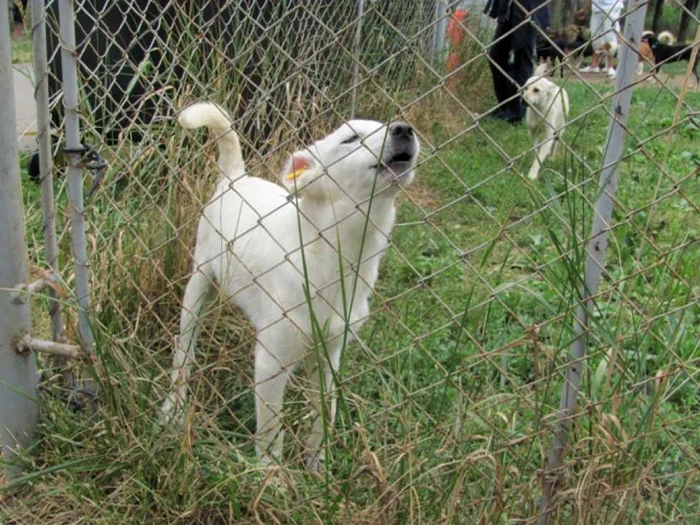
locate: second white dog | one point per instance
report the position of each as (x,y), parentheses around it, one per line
(300,261)
(547,110)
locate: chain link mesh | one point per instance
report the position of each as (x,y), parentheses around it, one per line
(448,397)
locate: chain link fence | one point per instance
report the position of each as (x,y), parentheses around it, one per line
(531,348)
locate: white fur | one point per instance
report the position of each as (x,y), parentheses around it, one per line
(548,107)
(265,246)
(666,37)
(543,69)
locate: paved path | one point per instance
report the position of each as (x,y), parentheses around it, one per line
(25,108)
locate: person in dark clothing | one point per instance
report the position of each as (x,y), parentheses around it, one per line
(512,53)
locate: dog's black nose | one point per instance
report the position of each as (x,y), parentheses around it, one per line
(401,130)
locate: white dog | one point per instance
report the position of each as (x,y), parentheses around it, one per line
(301,262)
(547,109)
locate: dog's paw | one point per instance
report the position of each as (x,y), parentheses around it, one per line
(171,414)
(533,174)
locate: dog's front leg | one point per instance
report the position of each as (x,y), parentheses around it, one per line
(323,401)
(534,169)
(543,151)
(556,139)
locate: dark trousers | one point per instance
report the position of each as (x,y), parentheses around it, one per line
(522,44)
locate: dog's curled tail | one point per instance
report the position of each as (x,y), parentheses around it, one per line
(666,37)
(219,122)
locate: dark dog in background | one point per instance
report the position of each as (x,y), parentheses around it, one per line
(578,44)
(550,49)
(558,47)
(665,54)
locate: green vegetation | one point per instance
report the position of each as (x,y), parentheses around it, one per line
(22,49)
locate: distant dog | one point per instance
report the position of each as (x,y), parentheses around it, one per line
(580,47)
(551,49)
(665,54)
(645,55)
(547,110)
(571,32)
(300,260)
(610,50)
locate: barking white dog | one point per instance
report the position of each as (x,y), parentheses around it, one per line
(301,262)
(547,109)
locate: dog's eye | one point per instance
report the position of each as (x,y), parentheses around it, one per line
(351,139)
(536,90)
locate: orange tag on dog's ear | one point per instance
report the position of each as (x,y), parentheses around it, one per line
(299,166)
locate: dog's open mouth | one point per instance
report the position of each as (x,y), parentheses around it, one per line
(397,164)
(404,156)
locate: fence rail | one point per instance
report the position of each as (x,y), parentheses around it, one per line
(530,351)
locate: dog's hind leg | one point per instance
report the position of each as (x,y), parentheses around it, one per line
(323,411)
(276,354)
(199,289)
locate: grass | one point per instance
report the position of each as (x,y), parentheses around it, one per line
(22,49)
(446,406)
(22,45)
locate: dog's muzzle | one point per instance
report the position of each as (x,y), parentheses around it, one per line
(402,149)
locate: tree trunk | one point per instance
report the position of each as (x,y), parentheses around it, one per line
(689,8)
(658,9)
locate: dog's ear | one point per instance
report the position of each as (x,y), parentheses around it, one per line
(300,170)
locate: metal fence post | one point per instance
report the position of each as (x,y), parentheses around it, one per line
(41,72)
(440,28)
(18,374)
(597,245)
(74,150)
(356,56)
